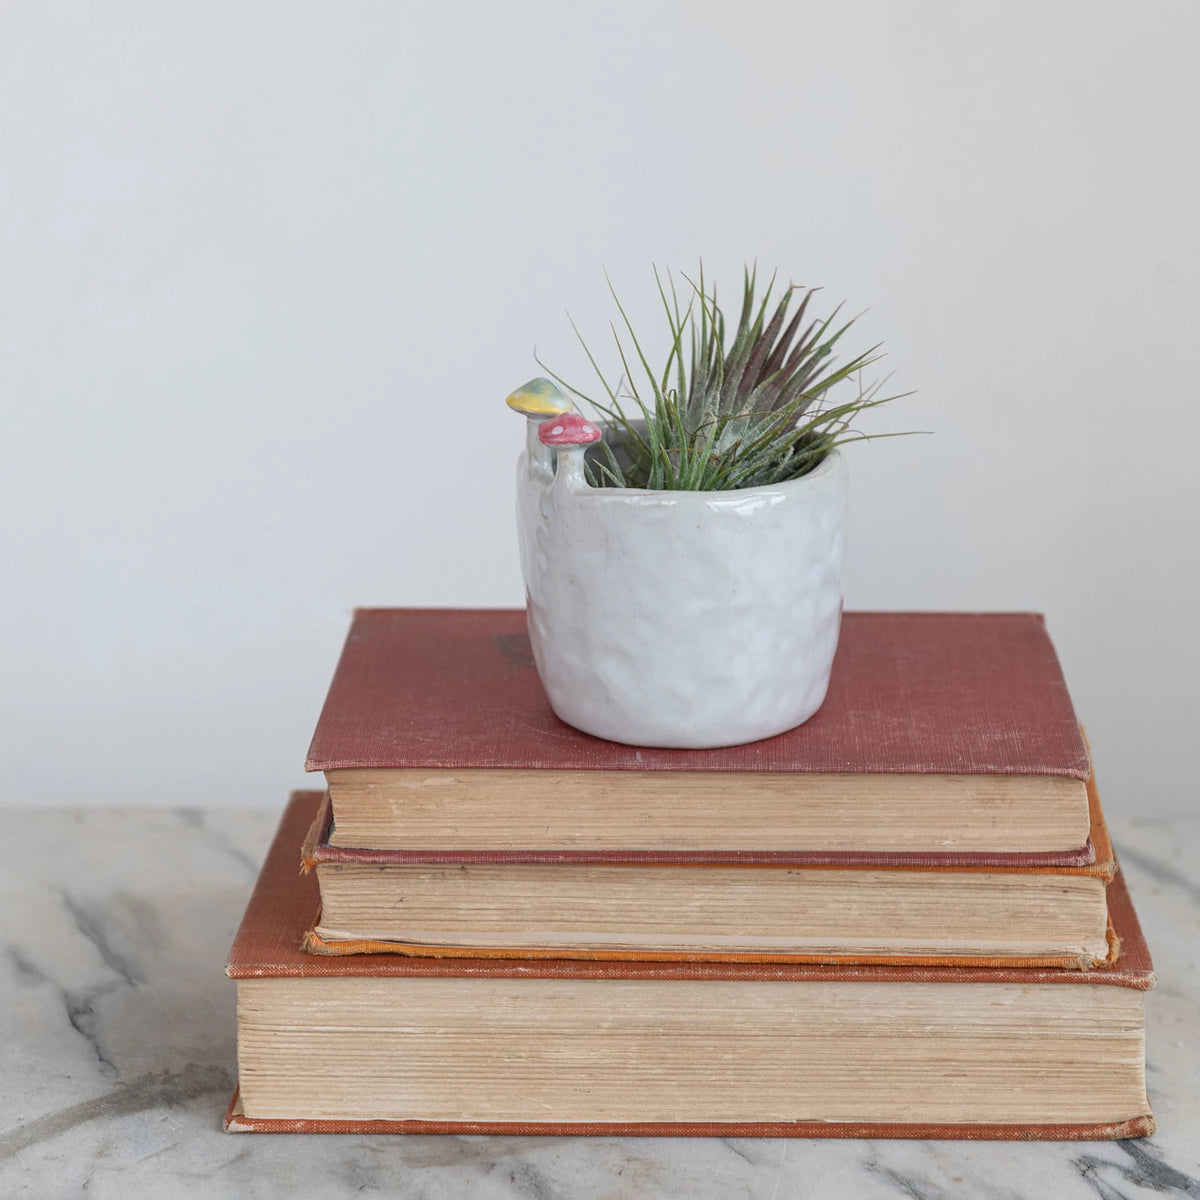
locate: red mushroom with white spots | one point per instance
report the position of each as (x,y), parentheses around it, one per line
(570,434)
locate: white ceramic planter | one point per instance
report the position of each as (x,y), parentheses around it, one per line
(682,619)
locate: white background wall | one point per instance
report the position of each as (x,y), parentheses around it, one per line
(268,270)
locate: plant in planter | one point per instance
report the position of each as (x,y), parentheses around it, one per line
(683,574)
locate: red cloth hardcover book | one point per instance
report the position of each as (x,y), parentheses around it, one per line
(931,693)
(943,734)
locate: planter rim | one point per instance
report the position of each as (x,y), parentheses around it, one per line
(826,466)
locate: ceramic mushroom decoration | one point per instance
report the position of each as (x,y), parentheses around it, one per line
(535,401)
(571,435)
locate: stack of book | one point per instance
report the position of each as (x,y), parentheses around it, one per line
(903,918)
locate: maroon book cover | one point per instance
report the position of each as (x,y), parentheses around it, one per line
(938,693)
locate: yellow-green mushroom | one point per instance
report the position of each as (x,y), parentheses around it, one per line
(535,401)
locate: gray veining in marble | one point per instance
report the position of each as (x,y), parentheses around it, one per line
(117,1056)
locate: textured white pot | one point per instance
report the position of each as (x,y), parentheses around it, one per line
(682,619)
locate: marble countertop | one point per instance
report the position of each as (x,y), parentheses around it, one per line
(118,1055)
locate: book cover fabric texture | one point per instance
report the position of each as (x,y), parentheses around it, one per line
(236,1121)
(938,693)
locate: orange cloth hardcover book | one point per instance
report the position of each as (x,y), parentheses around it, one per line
(967,909)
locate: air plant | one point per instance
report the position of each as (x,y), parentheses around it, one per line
(717,418)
